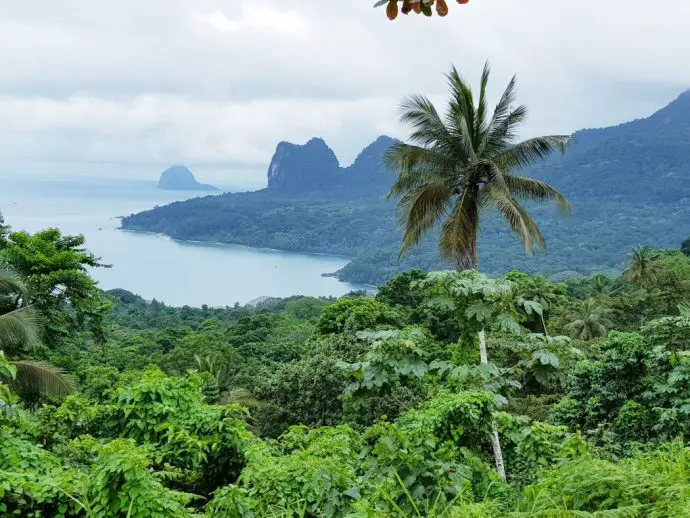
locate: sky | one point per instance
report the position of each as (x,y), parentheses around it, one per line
(124,88)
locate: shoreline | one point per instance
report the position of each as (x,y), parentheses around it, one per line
(334,275)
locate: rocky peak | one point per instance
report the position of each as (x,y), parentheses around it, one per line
(304,167)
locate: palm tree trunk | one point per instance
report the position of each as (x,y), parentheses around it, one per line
(484,359)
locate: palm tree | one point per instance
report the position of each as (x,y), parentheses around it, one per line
(588,321)
(232,395)
(18,331)
(462,163)
(601,284)
(642,268)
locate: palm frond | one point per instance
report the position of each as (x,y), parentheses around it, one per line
(458,242)
(536,190)
(529,152)
(421,209)
(461,115)
(495,178)
(238,396)
(416,166)
(515,216)
(503,108)
(480,123)
(35,378)
(502,134)
(421,114)
(19,328)
(11,283)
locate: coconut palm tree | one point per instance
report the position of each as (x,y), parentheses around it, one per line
(463,163)
(601,284)
(18,331)
(642,268)
(587,321)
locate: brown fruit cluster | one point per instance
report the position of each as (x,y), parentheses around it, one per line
(417,6)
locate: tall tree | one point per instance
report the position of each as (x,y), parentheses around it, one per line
(462,163)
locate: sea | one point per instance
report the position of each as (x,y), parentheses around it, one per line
(155,266)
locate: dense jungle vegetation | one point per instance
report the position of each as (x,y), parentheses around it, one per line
(361,407)
(448,394)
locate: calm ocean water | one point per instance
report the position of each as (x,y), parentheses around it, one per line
(153,266)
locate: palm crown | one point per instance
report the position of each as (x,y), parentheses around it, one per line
(463,162)
(642,267)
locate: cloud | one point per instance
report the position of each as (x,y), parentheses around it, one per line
(220,82)
(257,17)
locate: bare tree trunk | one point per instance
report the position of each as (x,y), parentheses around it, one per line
(495,440)
(483,356)
(484,359)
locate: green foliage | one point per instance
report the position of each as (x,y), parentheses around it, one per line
(392,357)
(587,320)
(351,315)
(401,291)
(602,386)
(685,247)
(121,484)
(54,268)
(532,446)
(367,407)
(303,392)
(314,470)
(650,484)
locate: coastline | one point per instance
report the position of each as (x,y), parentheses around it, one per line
(367,287)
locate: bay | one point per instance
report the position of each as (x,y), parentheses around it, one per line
(155,266)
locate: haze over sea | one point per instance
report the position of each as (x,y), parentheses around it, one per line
(154,266)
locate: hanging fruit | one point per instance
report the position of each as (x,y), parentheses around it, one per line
(418,6)
(392,9)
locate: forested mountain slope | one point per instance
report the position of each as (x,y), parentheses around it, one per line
(629,185)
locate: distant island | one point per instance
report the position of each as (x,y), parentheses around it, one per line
(180,178)
(628,184)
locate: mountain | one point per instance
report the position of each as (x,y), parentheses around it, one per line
(629,185)
(179,178)
(643,161)
(313,167)
(309,167)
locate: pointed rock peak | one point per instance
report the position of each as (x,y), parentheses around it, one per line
(302,167)
(377,148)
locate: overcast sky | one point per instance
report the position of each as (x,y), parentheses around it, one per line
(126,87)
